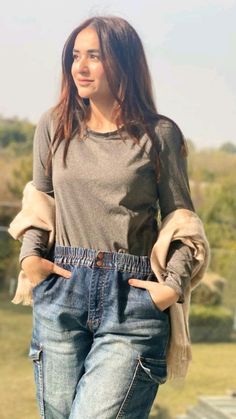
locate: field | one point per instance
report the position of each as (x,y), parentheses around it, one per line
(211,371)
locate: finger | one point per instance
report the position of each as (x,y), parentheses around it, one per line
(61,271)
(139,283)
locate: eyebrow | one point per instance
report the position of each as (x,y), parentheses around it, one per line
(89,50)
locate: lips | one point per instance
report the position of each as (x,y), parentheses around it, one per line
(84,81)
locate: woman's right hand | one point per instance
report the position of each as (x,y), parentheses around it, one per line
(37,269)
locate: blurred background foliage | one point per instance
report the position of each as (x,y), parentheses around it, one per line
(16,138)
(213,188)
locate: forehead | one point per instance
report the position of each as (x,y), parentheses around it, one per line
(87,39)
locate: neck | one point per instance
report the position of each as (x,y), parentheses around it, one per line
(101,117)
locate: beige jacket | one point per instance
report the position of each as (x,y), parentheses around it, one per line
(38,210)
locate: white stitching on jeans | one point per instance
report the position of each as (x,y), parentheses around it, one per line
(128,391)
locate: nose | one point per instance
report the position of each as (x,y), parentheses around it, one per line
(82,65)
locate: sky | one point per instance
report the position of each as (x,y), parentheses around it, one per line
(190,47)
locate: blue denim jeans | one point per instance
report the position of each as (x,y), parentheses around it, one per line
(98,344)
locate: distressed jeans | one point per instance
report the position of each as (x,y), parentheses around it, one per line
(98,344)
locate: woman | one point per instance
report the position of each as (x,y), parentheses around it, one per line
(101,319)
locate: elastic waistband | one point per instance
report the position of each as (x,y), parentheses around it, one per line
(101,259)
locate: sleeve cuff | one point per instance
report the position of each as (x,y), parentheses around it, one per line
(172,281)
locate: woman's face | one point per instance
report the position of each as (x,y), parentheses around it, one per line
(87,69)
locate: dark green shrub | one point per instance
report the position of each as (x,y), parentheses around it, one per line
(210,323)
(208,292)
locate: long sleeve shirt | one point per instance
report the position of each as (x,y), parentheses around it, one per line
(107,197)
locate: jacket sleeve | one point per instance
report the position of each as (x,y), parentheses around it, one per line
(35,240)
(174,193)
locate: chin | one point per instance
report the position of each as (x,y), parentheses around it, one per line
(84,95)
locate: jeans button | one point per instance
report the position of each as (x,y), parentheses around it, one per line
(99,263)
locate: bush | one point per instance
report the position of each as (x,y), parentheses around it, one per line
(210,324)
(209,291)
(9,255)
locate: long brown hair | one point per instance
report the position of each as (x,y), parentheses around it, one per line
(128,76)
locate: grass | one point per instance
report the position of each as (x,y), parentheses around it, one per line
(17,392)
(210,373)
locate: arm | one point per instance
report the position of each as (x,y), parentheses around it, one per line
(35,240)
(180,263)
(173,186)
(174,193)
(34,243)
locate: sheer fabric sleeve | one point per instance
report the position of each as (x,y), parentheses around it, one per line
(174,193)
(35,240)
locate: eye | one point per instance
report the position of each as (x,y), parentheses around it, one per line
(75,57)
(94,57)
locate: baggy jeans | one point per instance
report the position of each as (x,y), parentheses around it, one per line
(98,344)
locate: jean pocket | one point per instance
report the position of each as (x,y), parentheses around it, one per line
(41,281)
(148,296)
(155,306)
(154,370)
(36,355)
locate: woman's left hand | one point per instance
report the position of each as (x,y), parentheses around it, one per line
(162,295)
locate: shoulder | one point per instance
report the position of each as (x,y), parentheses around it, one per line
(45,124)
(44,131)
(46,118)
(169,133)
(165,123)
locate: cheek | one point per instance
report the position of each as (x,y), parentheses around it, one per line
(100,73)
(73,70)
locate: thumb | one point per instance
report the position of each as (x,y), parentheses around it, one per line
(61,271)
(139,283)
